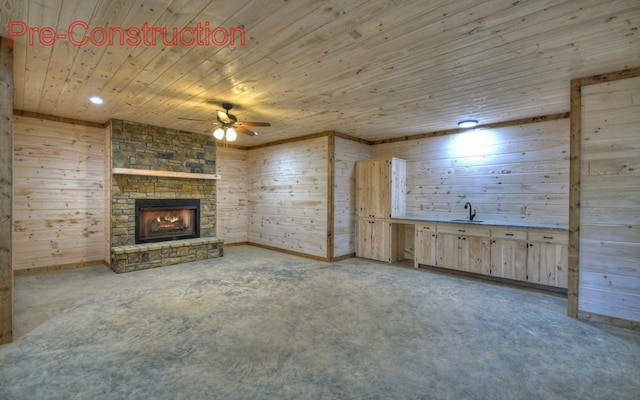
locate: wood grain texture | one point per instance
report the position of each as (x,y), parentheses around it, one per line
(609,199)
(516,173)
(6,181)
(287,196)
(59,193)
(375,69)
(164,174)
(232,195)
(347,153)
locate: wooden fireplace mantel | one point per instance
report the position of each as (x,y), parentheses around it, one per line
(166,174)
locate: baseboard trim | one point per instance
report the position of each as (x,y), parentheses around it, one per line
(62,267)
(604,319)
(294,253)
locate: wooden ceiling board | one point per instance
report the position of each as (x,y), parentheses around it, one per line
(377,69)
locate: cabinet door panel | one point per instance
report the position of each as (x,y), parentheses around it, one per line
(509,259)
(425,245)
(547,264)
(479,255)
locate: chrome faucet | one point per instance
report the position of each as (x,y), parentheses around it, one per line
(472,212)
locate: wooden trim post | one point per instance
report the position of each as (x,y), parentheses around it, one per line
(574,198)
(6,191)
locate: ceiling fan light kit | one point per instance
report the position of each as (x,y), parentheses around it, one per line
(227,125)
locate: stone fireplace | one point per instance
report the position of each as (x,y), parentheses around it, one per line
(163,169)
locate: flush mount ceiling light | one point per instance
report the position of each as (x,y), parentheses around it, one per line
(468,123)
(96,100)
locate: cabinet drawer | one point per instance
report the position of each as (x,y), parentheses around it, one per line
(549,236)
(459,229)
(425,228)
(509,234)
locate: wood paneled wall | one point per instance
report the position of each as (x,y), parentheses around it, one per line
(232,195)
(288,199)
(346,153)
(59,200)
(6,178)
(514,173)
(609,266)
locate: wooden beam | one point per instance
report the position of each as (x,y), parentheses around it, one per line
(610,76)
(164,174)
(574,198)
(6,157)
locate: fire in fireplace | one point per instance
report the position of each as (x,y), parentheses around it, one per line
(160,220)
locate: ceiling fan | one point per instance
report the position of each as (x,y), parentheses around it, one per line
(227,125)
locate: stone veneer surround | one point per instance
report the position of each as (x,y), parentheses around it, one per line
(145,147)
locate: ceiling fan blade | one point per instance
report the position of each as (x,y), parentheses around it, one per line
(246,131)
(194,119)
(246,123)
(224,118)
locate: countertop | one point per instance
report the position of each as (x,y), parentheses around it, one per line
(501,224)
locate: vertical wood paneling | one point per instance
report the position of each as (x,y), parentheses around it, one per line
(609,258)
(347,153)
(515,173)
(232,195)
(59,193)
(6,178)
(288,196)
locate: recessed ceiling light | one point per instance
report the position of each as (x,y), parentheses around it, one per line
(468,123)
(96,100)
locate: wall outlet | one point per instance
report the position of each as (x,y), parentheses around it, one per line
(523,209)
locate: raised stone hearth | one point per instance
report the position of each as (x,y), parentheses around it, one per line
(151,255)
(186,155)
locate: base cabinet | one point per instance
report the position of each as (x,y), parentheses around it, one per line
(425,244)
(547,258)
(374,241)
(532,255)
(509,254)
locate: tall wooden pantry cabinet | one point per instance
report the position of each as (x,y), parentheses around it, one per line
(380,195)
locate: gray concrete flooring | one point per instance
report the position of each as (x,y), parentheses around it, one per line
(258,324)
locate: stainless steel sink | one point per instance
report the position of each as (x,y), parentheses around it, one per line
(467,221)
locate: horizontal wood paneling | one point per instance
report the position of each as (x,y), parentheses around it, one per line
(609,280)
(284,181)
(503,172)
(376,69)
(347,152)
(232,195)
(59,193)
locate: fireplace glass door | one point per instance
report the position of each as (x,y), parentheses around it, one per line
(167,219)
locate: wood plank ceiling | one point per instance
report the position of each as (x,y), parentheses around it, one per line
(374,69)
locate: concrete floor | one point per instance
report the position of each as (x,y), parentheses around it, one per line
(258,324)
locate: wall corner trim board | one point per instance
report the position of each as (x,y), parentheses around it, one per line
(6,192)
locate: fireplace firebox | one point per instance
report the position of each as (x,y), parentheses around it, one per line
(158,220)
